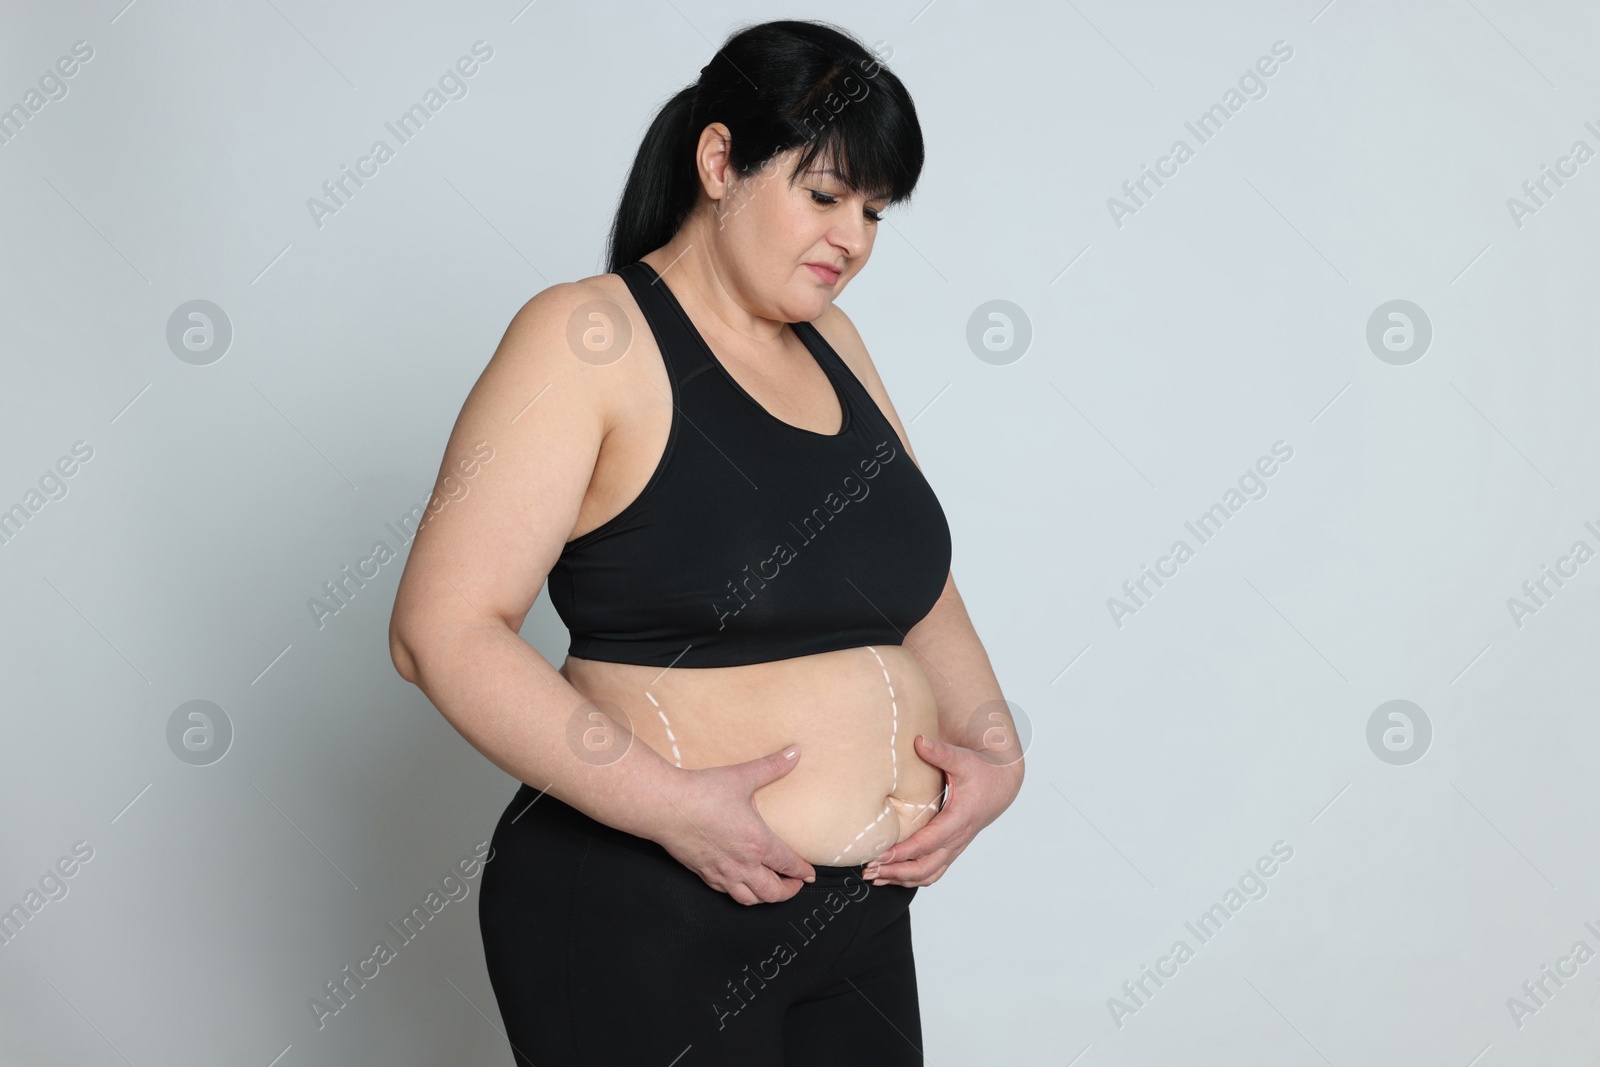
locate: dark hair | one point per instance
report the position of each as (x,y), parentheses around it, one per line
(776,86)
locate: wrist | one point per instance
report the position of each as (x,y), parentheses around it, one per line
(649,801)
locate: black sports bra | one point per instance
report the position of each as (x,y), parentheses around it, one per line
(754,539)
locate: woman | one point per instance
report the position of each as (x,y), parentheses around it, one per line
(775,721)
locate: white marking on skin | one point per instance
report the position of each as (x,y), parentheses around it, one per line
(887,807)
(894,725)
(894,759)
(676,757)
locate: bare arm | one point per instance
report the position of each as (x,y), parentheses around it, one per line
(972,710)
(539,414)
(478,562)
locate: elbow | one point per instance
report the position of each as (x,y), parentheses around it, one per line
(1018,773)
(405,661)
(405,650)
(417,643)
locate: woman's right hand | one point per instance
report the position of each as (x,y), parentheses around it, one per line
(714,829)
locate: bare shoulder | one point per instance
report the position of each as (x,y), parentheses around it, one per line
(540,410)
(574,335)
(554,312)
(837,329)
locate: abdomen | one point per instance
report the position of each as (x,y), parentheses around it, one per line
(859,786)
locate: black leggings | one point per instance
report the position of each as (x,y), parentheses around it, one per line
(605,950)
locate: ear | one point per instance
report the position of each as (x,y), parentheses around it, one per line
(713,155)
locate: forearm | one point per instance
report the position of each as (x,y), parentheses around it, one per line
(972,711)
(515,708)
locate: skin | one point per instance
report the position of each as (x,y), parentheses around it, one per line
(561,468)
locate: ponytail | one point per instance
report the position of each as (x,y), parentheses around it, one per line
(661,186)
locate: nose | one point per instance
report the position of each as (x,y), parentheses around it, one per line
(851,238)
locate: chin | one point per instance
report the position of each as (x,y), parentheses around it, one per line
(812,306)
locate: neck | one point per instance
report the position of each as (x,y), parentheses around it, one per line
(704,289)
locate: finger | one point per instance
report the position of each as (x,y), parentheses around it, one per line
(916,880)
(772,888)
(942,754)
(764,770)
(936,834)
(786,861)
(905,882)
(930,879)
(909,870)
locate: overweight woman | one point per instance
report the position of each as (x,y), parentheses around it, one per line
(774,721)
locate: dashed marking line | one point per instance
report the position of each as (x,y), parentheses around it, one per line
(894,758)
(894,754)
(677,757)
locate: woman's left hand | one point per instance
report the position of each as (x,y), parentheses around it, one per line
(981,787)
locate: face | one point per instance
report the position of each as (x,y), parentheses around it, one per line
(781,239)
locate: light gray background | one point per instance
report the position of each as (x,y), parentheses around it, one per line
(1167,354)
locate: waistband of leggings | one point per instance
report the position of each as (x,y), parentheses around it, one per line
(530,803)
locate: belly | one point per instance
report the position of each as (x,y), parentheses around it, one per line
(859,786)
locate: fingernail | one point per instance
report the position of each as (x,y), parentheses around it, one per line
(791,752)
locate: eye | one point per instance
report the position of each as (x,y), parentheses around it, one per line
(828,198)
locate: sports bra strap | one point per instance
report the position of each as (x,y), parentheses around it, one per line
(674,334)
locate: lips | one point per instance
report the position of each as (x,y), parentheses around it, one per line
(827,273)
